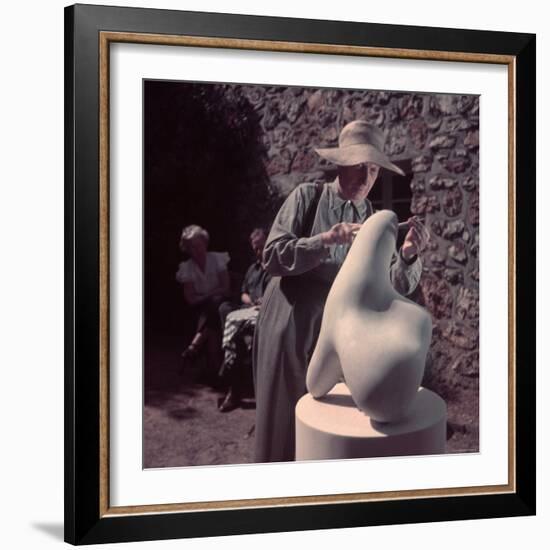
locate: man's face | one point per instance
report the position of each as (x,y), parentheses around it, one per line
(359,178)
(257,244)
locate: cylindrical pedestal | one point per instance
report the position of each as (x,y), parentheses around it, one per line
(332,427)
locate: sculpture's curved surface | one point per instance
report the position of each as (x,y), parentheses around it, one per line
(370,334)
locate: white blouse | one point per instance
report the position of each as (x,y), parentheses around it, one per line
(206,281)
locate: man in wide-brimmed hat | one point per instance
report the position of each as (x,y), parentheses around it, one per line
(306,246)
(359,156)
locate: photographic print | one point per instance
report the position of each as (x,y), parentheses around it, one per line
(310,262)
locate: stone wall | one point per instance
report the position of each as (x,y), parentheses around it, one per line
(439,135)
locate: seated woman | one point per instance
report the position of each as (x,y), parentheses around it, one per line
(205,281)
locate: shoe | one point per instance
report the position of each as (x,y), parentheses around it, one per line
(188,357)
(190,353)
(230,402)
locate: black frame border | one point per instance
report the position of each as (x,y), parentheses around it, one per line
(83,523)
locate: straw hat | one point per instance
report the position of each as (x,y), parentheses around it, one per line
(359,142)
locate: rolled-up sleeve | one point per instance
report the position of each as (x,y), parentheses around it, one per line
(405,276)
(287,252)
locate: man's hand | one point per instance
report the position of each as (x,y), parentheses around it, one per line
(341,233)
(416,239)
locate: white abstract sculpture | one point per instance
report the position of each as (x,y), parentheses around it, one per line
(373,337)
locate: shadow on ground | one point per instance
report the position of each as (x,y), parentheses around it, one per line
(181,422)
(54,530)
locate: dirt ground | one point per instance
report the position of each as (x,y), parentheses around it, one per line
(182,424)
(183,427)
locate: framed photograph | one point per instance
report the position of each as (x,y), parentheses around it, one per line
(299,274)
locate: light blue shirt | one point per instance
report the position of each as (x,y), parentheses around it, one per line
(288,252)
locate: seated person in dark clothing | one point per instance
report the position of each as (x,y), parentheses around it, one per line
(239,322)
